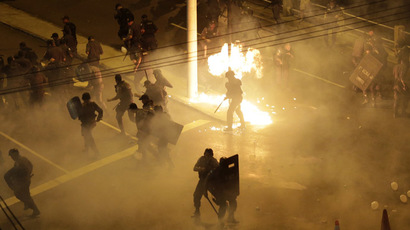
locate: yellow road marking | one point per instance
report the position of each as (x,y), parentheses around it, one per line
(194,124)
(322,79)
(33,152)
(117,129)
(95,165)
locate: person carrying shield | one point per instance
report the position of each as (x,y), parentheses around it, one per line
(219,184)
(88,120)
(203,166)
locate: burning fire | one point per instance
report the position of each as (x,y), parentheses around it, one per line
(238,61)
(251,113)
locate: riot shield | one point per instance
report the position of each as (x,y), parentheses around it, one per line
(232,174)
(74,107)
(365,72)
(166,129)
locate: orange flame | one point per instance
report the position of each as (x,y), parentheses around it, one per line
(238,61)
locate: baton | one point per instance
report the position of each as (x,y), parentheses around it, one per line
(125,56)
(212,205)
(220,105)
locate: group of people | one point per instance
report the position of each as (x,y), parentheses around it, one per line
(147,118)
(26,77)
(215,177)
(371,43)
(286,7)
(137,37)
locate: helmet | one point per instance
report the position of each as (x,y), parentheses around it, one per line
(14,152)
(118,77)
(86,96)
(209,152)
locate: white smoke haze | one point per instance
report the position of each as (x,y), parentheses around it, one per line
(324,158)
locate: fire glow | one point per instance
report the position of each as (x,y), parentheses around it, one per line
(238,61)
(251,113)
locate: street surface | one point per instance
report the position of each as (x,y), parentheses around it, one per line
(326,157)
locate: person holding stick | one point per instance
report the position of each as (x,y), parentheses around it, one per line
(234,93)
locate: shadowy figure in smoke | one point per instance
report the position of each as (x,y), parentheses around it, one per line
(234,94)
(123,17)
(143,118)
(124,94)
(203,166)
(88,120)
(18,179)
(218,183)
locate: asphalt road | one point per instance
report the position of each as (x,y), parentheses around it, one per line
(325,157)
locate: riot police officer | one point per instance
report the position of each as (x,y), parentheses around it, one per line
(203,166)
(88,120)
(148,30)
(234,93)
(124,94)
(18,179)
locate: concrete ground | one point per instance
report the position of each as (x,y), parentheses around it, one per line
(324,158)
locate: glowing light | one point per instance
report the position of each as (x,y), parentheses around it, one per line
(238,61)
(213,128)
(251,113)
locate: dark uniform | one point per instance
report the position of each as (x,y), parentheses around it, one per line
(276,9)
(203,166)
(28,53)
(283,58)
(88,120)
(15,70)
(70,34)
(56,39)
(124,94)
(54,54)
(234,93)
(208,36)
(332,15)
(97,85)
(18,179)
(142,118)
(161,82)
(54,71)
(159,122)
(358,50)
(133,38)
(401,89)
(155,93)
(213,10)
(123,16)
(133,43)
(217,183)
(374,46)
(148,30)
(403,53)
(38,82)
(94,51)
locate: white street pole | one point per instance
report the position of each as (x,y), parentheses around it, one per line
(192,49)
